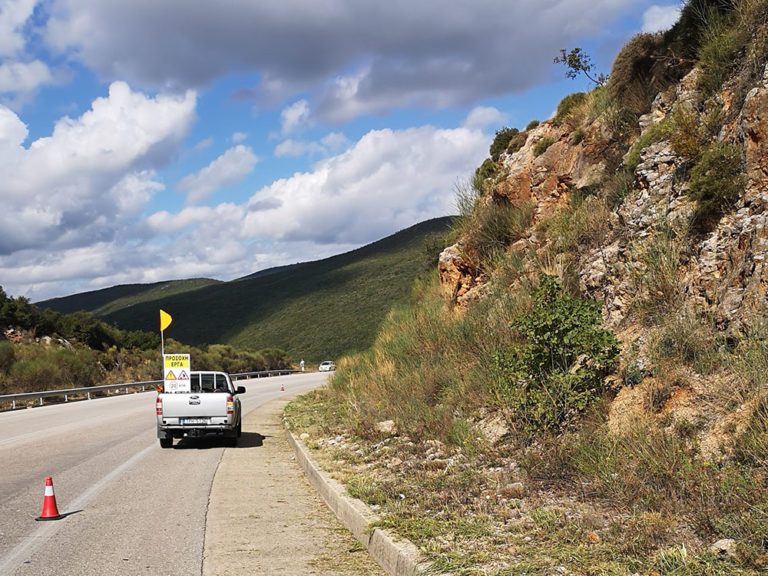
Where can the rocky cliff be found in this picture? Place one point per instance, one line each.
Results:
(678, 233)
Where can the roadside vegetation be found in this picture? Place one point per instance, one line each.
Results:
(489, 434)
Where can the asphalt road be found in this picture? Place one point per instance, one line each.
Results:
(130, 507)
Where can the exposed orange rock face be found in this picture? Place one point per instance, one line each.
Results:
(545, 179)
(457, 276)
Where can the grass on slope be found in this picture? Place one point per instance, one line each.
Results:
(315, 310)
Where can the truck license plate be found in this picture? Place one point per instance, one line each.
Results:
(194, 420)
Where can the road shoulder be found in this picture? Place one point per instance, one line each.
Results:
(264, 517)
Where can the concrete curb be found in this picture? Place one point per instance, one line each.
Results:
(398, 558)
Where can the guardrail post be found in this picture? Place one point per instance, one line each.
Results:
(41, 400)
(89, 395)
(66, 398)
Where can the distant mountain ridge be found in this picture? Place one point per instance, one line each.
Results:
(314, 310)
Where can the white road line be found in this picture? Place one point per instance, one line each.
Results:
(30, 544)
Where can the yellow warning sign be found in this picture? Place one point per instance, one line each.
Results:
(176, 369)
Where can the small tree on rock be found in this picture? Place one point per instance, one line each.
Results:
(578, 62)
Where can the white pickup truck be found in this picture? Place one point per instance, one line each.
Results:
(212, 407)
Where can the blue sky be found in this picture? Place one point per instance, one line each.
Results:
(146, 140)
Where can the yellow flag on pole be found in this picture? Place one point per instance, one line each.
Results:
(165, 320)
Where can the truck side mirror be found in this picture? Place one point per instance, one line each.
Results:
(240, 390)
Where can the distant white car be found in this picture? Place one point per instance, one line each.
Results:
(326, 366)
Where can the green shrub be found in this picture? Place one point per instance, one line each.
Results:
(577, 136)
(517, 142)
(488, 169)
(654, 133)
(501, 140)
(566, 107)
(49, 369)
(560, 369)
(685, 133)
(717, 182)
(542, 146)
(532, 124)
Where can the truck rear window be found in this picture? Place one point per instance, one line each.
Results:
(208, 383)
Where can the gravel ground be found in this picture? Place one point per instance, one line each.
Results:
(265, 518)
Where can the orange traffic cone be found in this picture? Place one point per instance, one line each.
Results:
(282, 388)
(50, 512)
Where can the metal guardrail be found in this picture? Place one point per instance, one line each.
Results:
(67, 392)
(152, 384)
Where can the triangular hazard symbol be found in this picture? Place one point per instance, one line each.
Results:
(183, 375)
(170, 375)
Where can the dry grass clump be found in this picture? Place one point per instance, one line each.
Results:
(639, 73)
(488, 225)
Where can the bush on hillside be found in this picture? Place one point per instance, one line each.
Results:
(722, 40)
(717, 182)
(488, 169)
(7, 356)
(566, 107)
(517, 142)
(560, 371)
(53, 369)
(635, 76)
(683, 40)
(500, 142)
(542, 146)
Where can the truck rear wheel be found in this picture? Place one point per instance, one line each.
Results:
(166, 442)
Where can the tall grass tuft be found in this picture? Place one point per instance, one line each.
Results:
(658, 282)
(488, 225)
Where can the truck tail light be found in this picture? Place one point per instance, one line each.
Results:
(230, 405)
(159, 406)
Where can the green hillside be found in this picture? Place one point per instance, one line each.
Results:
(314, 310)
(107, 300)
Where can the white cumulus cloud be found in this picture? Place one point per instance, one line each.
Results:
(61, 190)
(223, 172)
(295, 117)
(660, 18)
(387, 181)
